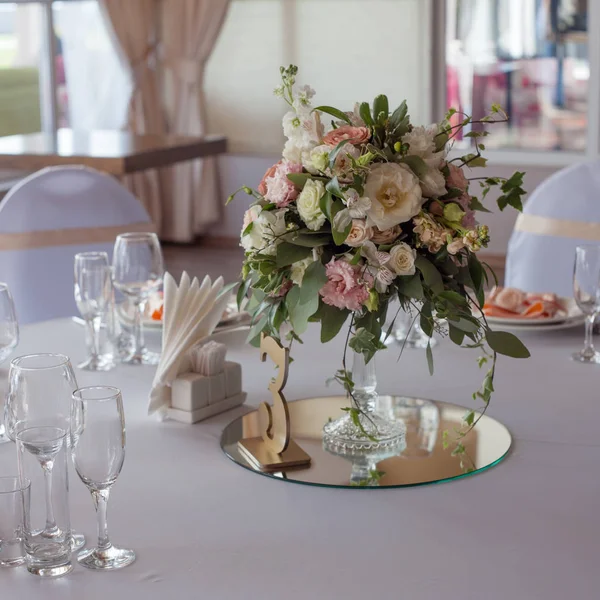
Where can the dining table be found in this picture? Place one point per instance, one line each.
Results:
(203, 527)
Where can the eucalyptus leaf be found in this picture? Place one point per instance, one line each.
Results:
(288, 254)
(411, 286)
(456, 335)
(339, 237)
(429, 355)
(310, 240)
(333, 186)
(431, 275)
(332, 320)
(333, 154)
(464, 325)
(256, 329)
(506, 343)
(334, 112)
(325, 204)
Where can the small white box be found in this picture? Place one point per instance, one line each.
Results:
(233, 379)
(186, 416)
(190, 391)
(216, 387)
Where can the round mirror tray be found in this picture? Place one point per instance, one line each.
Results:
(424, 459)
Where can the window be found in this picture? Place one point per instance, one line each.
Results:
(72, 78)
(387, 51)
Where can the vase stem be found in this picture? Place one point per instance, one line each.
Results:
(364, 377)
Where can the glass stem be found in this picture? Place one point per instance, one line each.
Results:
(47, 467)
(365, 382)
(100, 498)
(93, 325)
(589, 327)
(138, 332)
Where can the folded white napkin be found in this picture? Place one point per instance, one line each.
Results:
(191, 312)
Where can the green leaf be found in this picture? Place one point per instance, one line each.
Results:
(453, 212)
(398, 115)
(416, 164)
(310, 240)
(333, 187)
(248, 228)
(334, 112)
(470, 418)
(314, 279)
(431, 275)
(365, 114)
(256, 329)
(288, 254)
(465, 325)
(339, 237)
(325, 204)
(426, 320)
(243, 291)
(411, 286)
(333, 154)
(456, 335)
(429, 355)
(381, 105)
(299, 179)
(365, 342)
(506, 343)
(476, 205)
(477, 276)
(332, 320)
(453, 297)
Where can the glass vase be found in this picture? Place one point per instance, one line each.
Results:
(374, 432)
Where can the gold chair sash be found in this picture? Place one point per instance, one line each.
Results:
(579, 230)
(68, 237)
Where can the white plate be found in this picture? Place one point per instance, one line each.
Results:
(576, 321)
(573, 312)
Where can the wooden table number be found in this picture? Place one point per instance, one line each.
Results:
(274, 450)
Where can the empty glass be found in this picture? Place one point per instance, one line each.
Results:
(138, 271)
(93, 295)
(586, 287)
(40, 388)
(98, 454)
(9, 334)
(46, 523)
(13, 496)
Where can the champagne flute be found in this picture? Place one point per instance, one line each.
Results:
(99, 453)
(40, 387)
(93, 290)
(138, 271)
(9, 335)
(586, 286)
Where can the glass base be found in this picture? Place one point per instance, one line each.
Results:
(416, 338)
(111, 558)
(145, 357)
(104, 362)
(77, 540)
(343, 436)
(586, 357)
(47, 571)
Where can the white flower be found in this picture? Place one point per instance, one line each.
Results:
(433, 184)
(317, 160)
(292, 125)
(421, 142)
(343, 164)
(357, 205)
(308, 204)
(395, 195)
(303, 127)
(402, 259)
(299, 268)
(293, 152)
(455, 246)
(377, 266)
(359, 233)
(302, 97)
(267, 227)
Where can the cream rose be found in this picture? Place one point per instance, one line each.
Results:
(308, 204)
(359, 233)
(387, 236)
(402, 259)
(433, 184)
(317, 159)
(395, 195)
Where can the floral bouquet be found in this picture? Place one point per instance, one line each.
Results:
(365, 208)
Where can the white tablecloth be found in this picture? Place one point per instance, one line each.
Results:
(205, 528)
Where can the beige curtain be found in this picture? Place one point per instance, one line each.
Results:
(190, 29)
(134, 23)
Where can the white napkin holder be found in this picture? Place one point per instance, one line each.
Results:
(214, 386)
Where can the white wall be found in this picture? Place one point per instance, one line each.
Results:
(237, 170)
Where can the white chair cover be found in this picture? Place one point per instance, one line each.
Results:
(562, 212)
(45, 220)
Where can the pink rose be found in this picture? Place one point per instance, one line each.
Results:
(278, 188)
(359, 233)
(387, 236)
(262, 186)
(354, 135)
(344, 288)
(456, 178)
(510, 299)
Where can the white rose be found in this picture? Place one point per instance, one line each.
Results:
(433, 184)
(402, 259)
(421, 141)
(317, 159)
(267, 227)
(299, 268)
(395, 195)
(308, 204)
(293, 152)
(359, 233)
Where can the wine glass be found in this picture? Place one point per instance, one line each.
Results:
(9, 334)
(40, 387)
(93, 290)
(138, 271)
(98, 454)
(586, 286)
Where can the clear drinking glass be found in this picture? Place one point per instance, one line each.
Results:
(13, 496)
(9, 335)
(586, 287)
(99, 453)
(138, 272)
(46, 524)
(93, 293)
(40, 388)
